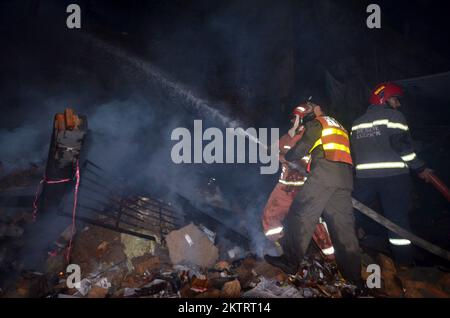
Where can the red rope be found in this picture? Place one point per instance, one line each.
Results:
(39, 192)
(75, 199)
(36, 198)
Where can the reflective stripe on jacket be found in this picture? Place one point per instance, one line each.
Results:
(334, 140)
(289, 177)
(381, 144)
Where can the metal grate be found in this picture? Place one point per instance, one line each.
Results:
(103, 201)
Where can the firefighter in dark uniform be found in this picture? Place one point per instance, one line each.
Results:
(383, 155)
(326, 193)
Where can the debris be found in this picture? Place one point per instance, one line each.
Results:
(32, 285)
(84, 286)
(190, 245)
(416, 289)
(197, 271)
(129, 292)
(246, 277)
(10, 230)
(187, 271)
(55, 263)
(308, 293)
(103, 283)
(145, 263)
(65, 237)
(236, 253)
(102, 249)
(20, 178)
(444, 282)
(270, 272)
(187, 292)
(211, 235)
(24, 216)
(66, 296)
(326, 290)
(135, 247)
(211, 293)
(194, 214)
(97, 292)
(222, 266)
(199, 285)
(268, 288)
(86, 256)
(181, 268)
(150, 289)
(155, 287)
(391, 283)
(387, 264)
(231, 289)
(219, 280)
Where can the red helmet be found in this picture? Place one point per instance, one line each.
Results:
(302, 110)
(384, 91)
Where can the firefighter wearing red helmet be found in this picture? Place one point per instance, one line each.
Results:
(384, 92)
(289, 183)
(383, 155)
(326, 193)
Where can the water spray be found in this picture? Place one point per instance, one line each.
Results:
(171, 86)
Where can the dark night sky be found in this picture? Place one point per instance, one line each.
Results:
(249, 58)
(228, 50)
(424, 21)
(252, 60)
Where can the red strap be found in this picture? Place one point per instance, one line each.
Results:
(36, 198)
(75, 200)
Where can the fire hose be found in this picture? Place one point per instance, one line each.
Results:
(439, 185)
(436, 250)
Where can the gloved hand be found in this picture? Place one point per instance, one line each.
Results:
(425, 175)
(299, 166)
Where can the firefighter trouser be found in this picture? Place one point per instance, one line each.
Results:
(335, 206)
(395, 197)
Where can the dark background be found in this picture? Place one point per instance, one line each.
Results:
(139, 68)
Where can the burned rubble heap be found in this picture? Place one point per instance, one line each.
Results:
(140, 247)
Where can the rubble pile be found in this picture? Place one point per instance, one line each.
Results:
(108, 269)
(417, 282)
(16, 197)
(191, 245)
(186, 262)
(188, 266)
(169, 272)
(16, 190)
(20, 178)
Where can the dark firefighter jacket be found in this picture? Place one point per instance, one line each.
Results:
(323, 171)
(381, 144)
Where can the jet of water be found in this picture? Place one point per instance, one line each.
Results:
(198, 104)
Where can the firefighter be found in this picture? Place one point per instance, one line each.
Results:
(383, 155)
(326, 193)
(287, 187)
